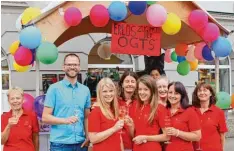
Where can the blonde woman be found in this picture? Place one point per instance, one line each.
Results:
(19, 127)
(104, 126)
(148, 117)
(162, 85)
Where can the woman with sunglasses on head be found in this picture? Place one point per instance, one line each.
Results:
(103, 122)
(148, 117)
(184, 124)
(213, 125)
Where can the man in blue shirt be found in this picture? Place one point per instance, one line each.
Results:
(66, 108)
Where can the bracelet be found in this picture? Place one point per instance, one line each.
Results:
(178, 132)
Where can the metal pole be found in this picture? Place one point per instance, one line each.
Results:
(217, 74)
(37, 67)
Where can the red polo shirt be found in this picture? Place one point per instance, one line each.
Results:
(143, 127)
(99, 123)
(212, 124)
(127, 139)
(184, 120)
(20, 138)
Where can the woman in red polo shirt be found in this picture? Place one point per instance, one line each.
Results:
(162, 86)
(184, 125)
(213, 125)
(127, 94)
(19, 127)
(148, 117)
(104, 125)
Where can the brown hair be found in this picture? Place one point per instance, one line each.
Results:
(71, 55)
(151, 84)
(195, 99)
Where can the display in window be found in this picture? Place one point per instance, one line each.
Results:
(5, 81)
(47, 80)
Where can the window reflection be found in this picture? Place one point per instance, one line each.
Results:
(5, 81)
(5, 66)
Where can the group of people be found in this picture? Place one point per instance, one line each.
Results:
(140, 114)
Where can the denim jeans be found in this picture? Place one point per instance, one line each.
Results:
(67, 147)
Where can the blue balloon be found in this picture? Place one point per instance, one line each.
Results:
(118, 11)
(39, 105)
(181, 58)
(30, 37)
(221, 47)
(206, 53)
(137, 7)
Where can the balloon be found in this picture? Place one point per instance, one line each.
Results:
(20, 68)
(223, 100)
(14, 46)
(30, 14)
(39, 105)
(172, 25)
(151, 2)
(30, 37)
(222, 47)
(104, 51)
(137, 7)
(72, 16)
(190, 54)
(198, 19)
(28, 102)
(181, 58)
(181, 49)
(99, 15)
(183, 68)
(167, 57)
(23, 56)
(193, 65)
(47, 53)
(174, 56)
(156, 15)
(232, 102)
(210, 33)
(206, 53)
(118, 11)
(198, 51)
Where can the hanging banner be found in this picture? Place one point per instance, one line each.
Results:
(135, 39)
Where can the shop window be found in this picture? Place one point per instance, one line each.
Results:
(5, 66)
(5, 81)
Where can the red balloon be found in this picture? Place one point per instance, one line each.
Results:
(23, 56)
(181, 49)
(99, 16)
(28, 102)
(210, 32)
(198, 19)
(72, 16)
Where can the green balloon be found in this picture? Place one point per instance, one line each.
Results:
(174, 56)
(47, 53)
(183, 68)
(223, 100)
(151, 2)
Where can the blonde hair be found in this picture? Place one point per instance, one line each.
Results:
(149, 82)
(15, 89)
(102, 104)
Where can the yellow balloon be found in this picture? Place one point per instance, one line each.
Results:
(29, 14)
(20, 68)
(172, 25)
(193, 65)
(14, 46)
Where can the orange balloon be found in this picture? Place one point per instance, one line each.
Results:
(232, 101)
(181, 49)
(193, 65)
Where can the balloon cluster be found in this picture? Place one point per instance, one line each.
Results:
(30, 44)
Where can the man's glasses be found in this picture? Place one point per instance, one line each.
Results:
(72, 65)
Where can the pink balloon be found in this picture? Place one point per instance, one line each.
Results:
(156, 15)
(198, 51)
(23, 56)
(210, 32)
(167, 57)
(99, 16)
(198, 19)
(72, 16)
(28, 102)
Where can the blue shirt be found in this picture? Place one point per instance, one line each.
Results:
(66, 99)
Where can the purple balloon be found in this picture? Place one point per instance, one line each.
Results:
(39, 105)
(206, 53)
